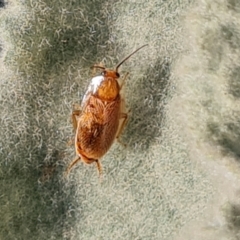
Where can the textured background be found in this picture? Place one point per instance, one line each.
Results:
(178, 178)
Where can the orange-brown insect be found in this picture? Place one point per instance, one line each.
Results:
(101, 118)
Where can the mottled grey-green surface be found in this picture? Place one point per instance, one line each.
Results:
(178, 176)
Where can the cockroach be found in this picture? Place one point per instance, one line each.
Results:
(101, 117)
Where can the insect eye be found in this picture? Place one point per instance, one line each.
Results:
(117, 74)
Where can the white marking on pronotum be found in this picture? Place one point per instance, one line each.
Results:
(96, 81)
(93, 86)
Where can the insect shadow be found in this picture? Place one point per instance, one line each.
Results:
(147, 106)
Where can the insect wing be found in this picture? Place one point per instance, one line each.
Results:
(97, 126)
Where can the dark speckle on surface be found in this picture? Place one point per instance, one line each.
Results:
(2, 3)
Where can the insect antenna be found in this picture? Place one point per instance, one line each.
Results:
(126, 58)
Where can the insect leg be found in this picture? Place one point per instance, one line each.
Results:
(75, 113)
(99, 167)
(123, 124)
(77, 159)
